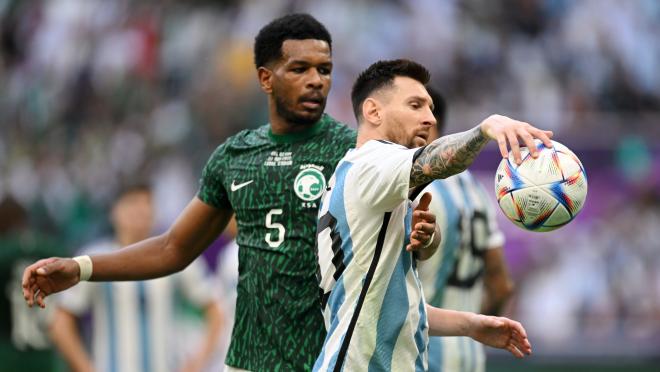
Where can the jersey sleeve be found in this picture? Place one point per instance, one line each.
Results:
(211, 190)
(195, 284)
(383, 177)
(495, 237)
(76, 300)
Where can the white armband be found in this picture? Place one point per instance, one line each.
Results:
(85, 264)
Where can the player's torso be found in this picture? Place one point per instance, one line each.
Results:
(371, 290)
(452, 278)
(274, 190)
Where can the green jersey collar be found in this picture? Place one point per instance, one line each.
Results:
(298, 136)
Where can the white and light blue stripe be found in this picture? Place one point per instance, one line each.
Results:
(454, 201)
(375, 313)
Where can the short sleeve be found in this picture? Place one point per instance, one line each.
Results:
(495, 238)
(77, 300)
(211, 190)
(383, 176)
(195, 283)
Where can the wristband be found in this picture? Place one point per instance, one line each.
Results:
(85, 265)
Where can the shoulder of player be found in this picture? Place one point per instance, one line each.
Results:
(465, 177)
(338, 131)
(378, 146)
(440, 184)
(248, 137)
(374, 154)
(470, 180)
(465, 181)
(98, 247)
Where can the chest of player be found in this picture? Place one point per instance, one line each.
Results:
(289, 178)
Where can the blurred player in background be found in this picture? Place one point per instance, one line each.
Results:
(24, 344)
(468, 273)
(134, 323)
(374, 309)
(271, 178)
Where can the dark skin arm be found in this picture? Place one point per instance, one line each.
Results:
(194, 230)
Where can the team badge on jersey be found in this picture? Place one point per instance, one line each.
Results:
(309, 183)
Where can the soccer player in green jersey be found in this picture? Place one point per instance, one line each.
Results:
(271, 178)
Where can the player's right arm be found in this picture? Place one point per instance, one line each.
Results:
(195, 229)
(63, 331)
(452, 154)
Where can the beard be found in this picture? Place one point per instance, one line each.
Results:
(294, 118)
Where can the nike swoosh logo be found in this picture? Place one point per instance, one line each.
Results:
(235, 187)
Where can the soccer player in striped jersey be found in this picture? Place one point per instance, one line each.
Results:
(374, 309)
(134, 322)
(468, 272)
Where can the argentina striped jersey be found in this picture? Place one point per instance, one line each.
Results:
(371, 296)
(452, 278)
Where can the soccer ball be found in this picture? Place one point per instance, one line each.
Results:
(541, 194)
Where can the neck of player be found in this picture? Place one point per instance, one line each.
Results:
(280, 125)
(367, 133)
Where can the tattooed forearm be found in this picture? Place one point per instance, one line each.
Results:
(447, 156)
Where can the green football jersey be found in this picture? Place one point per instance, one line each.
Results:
(24, 341)
(274, 184)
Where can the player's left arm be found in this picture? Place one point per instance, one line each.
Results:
(452, 154)
(498, 332)
(498, 285)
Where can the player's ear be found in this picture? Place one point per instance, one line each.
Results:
(371, 111)
(265, 76)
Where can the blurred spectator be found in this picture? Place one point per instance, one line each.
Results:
(24, 344)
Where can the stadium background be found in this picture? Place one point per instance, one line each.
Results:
(97, 92)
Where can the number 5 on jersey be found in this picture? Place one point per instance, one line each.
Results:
(272, 242)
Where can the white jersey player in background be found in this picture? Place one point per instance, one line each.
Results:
(134, 325)
(468, 272)
(372, 300)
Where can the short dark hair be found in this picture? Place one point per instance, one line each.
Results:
(380, 75)
(299, 26)
(130, 187)
(439, 107)
(13, 215)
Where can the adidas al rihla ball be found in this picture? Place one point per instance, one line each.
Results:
(541, 194)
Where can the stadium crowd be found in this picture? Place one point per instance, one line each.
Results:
(97, 92)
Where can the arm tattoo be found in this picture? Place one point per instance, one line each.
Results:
(447, 156)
